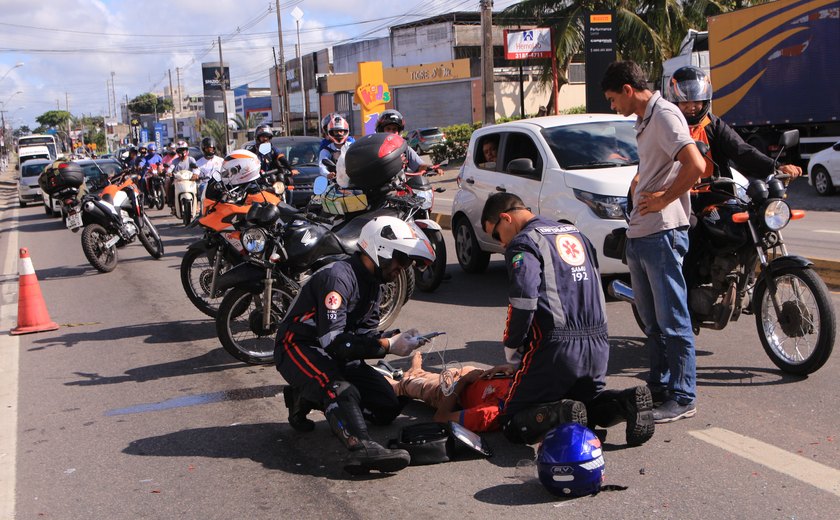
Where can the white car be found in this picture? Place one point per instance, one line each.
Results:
(824, 170)
(571, 168)
(28, 189)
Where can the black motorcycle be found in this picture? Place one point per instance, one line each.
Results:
(285, 246)
(156, 198)
(738, 264)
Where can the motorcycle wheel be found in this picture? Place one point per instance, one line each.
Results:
(410, 284)
(197, 275)
(159, 197)
(393, 297)
(103, 259)
(800, 340)
(239, 324)
(429, 278)
(150, 238)
(186, 211)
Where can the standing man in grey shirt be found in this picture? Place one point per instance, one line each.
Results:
(669, 165)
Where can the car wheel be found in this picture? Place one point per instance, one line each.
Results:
(470, 256)
(822, 181)
(22, 204)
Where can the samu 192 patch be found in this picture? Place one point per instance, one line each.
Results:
(517, 260)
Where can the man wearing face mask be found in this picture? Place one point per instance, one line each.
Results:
(273, 159)
(208, 164)
(182, 162)
(331, 328)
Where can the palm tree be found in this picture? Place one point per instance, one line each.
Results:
(252, 121)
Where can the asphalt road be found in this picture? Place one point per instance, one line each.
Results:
(132, 410)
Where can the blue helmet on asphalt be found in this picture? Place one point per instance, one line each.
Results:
(570, 462)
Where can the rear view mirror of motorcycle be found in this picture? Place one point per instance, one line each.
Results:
(216, 176)
(319, 187)
(329, 164)
(264, 148)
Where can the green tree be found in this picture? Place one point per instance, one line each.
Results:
(252, 121)
(22, 130)
(149, 103)
(54, 118)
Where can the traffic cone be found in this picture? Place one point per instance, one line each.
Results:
(32, 311)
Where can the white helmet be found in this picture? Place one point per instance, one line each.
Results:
(385, 238)
(240, 167)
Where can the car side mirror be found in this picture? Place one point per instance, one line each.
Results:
(837, 147)
(522, 166)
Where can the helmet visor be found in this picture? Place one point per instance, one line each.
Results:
(694, 89)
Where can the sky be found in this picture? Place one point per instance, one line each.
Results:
(69, 48)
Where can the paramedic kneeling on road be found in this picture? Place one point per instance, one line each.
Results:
(556, 330)
(331, 328)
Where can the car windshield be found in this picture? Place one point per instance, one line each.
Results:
(95, 170)
(605, 144)
(301, 153)
(430, 131)
(32, 170)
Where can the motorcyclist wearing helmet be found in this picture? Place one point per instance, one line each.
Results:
(150, 163)
(182, 161)
(240, 170)
(332, 327)
(691, 90)
(391, 122)
(274, 159)
(556, 331)
(336, 132)
(168, 155)
(130, 158)
(208, 164)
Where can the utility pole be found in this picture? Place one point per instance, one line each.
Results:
(180, 95)
(67, 108)
(108, 93)
(282, 85)
(487, 62)
(114, 95)
(224, 94)
(174, 122)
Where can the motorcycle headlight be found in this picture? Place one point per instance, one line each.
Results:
(254, 240)
(427, 197)
(604, 206)
(279, 187)
(776, 215)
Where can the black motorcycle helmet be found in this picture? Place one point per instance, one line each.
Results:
(208, 142)
(691, 84)
(390, 117)
(262, 130)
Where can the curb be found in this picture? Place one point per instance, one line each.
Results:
(829, 270)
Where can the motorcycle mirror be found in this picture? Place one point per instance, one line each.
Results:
(789, 139)
(264, 148)
(319, 187)
(216, 176)
(329, 164)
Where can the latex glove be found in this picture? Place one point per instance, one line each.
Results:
(405, 343)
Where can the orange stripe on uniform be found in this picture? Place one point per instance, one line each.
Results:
(526, 363)
(292, 349)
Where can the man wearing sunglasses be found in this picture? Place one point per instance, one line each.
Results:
(556, 332)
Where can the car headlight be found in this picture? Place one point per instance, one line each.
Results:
(776, 214)
(604, 206)
(254, 240)
(427, 197)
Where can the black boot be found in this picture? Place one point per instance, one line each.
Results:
(297, 410)
(529, 426)
(633, 405)
(369, 455)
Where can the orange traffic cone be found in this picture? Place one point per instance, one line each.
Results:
(32, 311)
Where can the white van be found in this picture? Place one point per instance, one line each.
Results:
(33, 152)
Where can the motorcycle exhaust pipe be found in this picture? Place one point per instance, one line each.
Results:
(621, 291)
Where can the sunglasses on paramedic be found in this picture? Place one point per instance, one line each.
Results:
(495, 233)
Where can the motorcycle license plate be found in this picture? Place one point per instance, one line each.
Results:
(74, 219)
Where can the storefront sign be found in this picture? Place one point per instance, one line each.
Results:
(527, 43)
(600, 52)
(371, 93)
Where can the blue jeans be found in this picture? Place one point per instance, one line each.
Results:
(659, 289)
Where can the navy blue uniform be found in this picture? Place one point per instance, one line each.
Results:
(557, 324)
(330, 328)
(273, 160)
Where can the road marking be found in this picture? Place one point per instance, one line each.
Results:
(9, 349)
(777, 459)
(827, 231)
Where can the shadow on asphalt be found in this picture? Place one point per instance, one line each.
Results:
(214, 361)
(152, 333)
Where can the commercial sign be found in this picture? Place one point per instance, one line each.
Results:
(523, 44)
(600, 52)
(213, 75)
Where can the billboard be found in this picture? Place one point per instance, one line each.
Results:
(523, 44)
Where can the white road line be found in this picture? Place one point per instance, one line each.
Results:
(827, 231)
(777, 459)
(9, 347)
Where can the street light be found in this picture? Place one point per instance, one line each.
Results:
(10, 97)
(18, 64)
(297, 14)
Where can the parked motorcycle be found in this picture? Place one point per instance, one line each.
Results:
(428, 278)
(221, 247)
(285, 247)
(109, 220)
(738, 264)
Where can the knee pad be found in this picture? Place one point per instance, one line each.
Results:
(343, 391)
